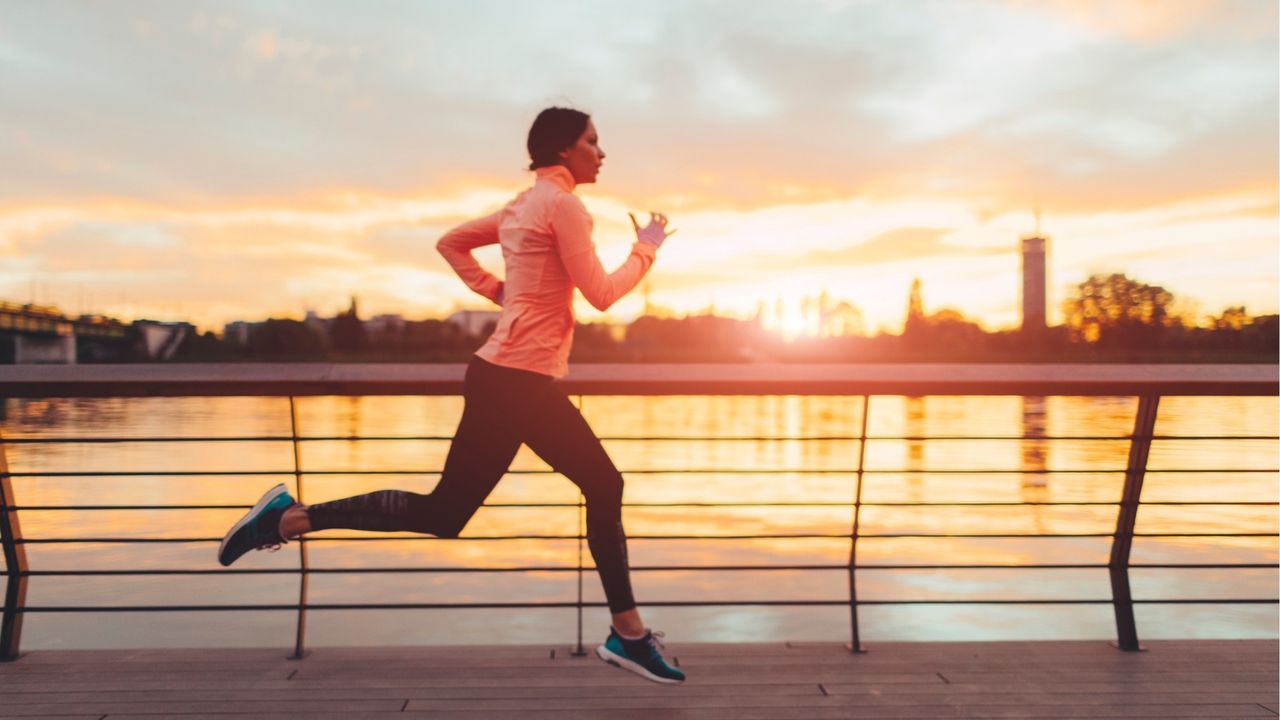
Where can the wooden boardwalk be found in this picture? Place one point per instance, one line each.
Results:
(1174, 679)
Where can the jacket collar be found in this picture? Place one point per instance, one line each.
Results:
(557, 174)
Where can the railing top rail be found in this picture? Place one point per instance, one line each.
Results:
(283, 379)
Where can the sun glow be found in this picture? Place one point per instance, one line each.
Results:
(794, 324)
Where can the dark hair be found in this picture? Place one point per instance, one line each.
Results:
(554, 129)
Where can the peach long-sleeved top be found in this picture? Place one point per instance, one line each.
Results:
(545, 233)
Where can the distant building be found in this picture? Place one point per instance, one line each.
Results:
(161, 340)
(320, 325)
(844, 320)
(1033, 282)
(474, 322)
(384, 325)
(915, 307)
(237, 332)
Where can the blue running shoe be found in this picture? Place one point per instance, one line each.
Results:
(259, 528)
(642, 657)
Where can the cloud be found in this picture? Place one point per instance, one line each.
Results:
(698, 106)
(284, 155)
(217, 266)
(220, 266)
(907, 243)
(899, 245)
(1155, 21)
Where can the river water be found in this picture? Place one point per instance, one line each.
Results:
(807, 470)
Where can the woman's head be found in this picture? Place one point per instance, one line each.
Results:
(561, 136)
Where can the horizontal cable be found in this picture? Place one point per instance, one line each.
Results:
(842, 504)
(658, 603)
(622, 438)
(1204, 566)
(664, 471)
(784, 536)
(643, 568)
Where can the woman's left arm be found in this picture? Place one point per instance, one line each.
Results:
(456, 247)
(572, 225)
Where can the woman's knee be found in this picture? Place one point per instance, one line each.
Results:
(605, 489)
(443, 515)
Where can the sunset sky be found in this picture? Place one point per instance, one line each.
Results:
(215, 161)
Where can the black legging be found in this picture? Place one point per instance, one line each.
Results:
(503, 408)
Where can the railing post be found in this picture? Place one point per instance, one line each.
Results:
(15, 560)
(579, 650)
(1139, 450)
(855, 645)
(300, 641)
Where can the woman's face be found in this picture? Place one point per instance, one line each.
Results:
(584, 157)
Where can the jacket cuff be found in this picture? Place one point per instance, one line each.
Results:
(645, 249)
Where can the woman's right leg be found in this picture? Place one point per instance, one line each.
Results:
(558, 433)
(481, 451)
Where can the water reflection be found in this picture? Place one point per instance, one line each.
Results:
(897, 472)
(915, 428)
(1035, 456)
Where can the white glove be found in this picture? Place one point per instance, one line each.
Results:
(655, 233)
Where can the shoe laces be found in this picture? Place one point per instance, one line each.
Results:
(273, 545)
(276, 539)
(655, 640)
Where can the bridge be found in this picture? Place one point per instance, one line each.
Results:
(42, 334)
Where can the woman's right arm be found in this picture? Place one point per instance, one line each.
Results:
(456, 247)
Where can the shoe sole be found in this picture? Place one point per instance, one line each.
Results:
(615, 660)
(271, 494)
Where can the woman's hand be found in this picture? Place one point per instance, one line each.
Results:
(655, 233)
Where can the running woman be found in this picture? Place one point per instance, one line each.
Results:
(509, 394)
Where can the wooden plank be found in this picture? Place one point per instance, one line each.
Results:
(996, 696)
(1200, 713)
(887, 695)
(671, 702)
(923, 713)
(1024, 697)
(962, 678)
(8, 716)
(1014, 651)
(1014, 684)
(735, 714)
(247, 708)
(960, 670)
(267, 655)
(764, 674)
(9, 700)
(614, 678)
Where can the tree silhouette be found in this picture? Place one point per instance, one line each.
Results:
(1232, 318)
(1118, 309)
(285, 339)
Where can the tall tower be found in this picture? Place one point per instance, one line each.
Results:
(1033, 280)
(915, 305)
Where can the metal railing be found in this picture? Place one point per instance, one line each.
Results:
(1148, 383)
